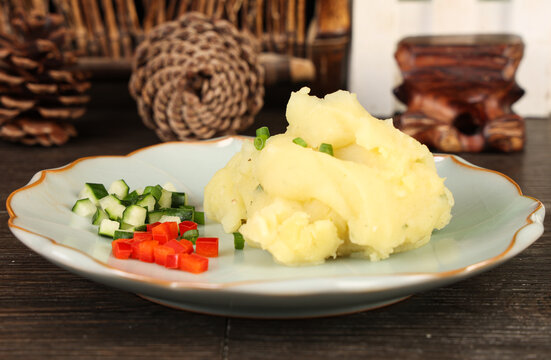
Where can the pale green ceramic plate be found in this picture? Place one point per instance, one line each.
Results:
(492, 222)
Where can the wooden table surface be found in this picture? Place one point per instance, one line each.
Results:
(47, 312)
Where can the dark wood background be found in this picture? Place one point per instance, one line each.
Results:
(47, 312)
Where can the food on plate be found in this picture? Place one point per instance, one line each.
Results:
(337, 182)
(154, 224)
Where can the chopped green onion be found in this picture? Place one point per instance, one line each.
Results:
(263, 132)
(259, 188)
(259, 142)
(326, 148)
(238, 241)
(191, 235)
(300, 141)
(199, 217)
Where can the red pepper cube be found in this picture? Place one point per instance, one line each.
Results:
(161, 238)
(181, 247)
(172, 261)
(145, 250)
(135, 249)
(188, 246)
(142, 235)
(193, 263)
(187, 225)
(150, 227)
(160, 252)
(170, 229)
(121, 249)
(207, 246)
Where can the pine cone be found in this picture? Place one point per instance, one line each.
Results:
(38, 94)
(196, 78)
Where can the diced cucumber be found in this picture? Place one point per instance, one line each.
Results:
(108, 227)
(141, 228)
(123, 234)
(182, 213)
(99, 216)
(199, 217)
(191, 235)
(112, 206)
(134, 215)
(127, 227)
(148, 201)
(169, 186)
(154, 216)
(131, 198)
(84, 207)
(93, 191)
(165, 201)
(153, 190)
(178, 199)
(167, 218)
(119, 188)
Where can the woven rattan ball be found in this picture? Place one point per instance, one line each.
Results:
(197, 78)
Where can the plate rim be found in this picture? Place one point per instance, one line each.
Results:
(194, 285)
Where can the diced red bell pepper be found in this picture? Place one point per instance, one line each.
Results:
(172, 261)
(149, 227)
(142, 235)
(162, 238)
(170, 229)
(186, 225)
(121, 249)
(207, 246)
(145, 250)
(193, 263)
(135, 250)
(182, 246)
(160, 252)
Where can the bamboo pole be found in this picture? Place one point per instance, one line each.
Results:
(210, 8)
(112, 28)
(80, 30)
(133, 20)
(219, 12)
(126, 24)
(184, 4)
(92, 45)
(171, 10)
(98, 26)
(291, 26)
(161, 13)
(301, 25)
(259, 18)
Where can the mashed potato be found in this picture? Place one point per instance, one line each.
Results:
(379, 194)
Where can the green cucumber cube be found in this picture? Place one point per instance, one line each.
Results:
(99, 216)
(94, 192)
(84, 207)
(134, 215)
(112, 206)
(119, 188)
(108, 227)
(178, 199)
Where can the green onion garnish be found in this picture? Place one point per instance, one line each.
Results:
(300, 141)
(259, 142)
(199, 217)
(263, 132)
(191, 235)
(238, 241)
(326, 148)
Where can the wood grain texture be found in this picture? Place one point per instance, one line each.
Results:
(47, 312)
